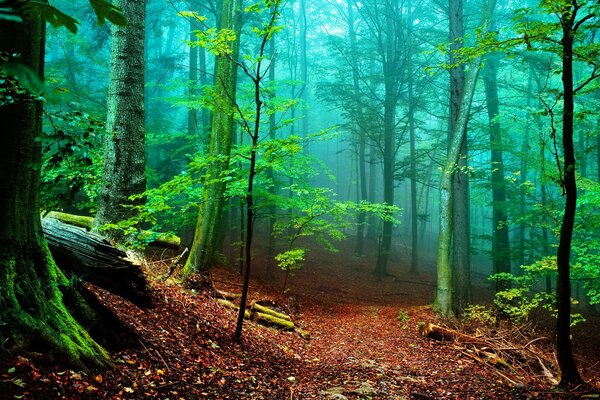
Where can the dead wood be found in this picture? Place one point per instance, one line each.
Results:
(90, 257)
(156, 239)
(512, 362)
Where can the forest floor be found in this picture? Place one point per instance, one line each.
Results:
(364, 344)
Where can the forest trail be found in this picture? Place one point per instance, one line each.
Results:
(364, 345)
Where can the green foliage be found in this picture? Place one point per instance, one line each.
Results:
(522, 298)
(27, 81)
(291, 260)
(51, 14)
(403, 316)
(479, 314)
(72, 160)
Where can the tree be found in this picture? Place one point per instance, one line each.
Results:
(444, 301)
(124, 172)
(500, 239)
(39, 306)
(203, 248)
(567, 12)
(256, 74)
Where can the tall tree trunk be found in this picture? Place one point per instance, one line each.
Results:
(206, 237)
(192, 117)
(270, 173)
(500, 239)
(444, 301)
(124, 172)
(303, 67)
(564, 352)
(390, 70)
(460, 208)
(362, 137)
(33, 291)
(414, 211)
(524, 169)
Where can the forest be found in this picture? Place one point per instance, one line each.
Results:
(300, 199)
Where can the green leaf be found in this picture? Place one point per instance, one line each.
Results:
(106, 11)
(26, 77)
(52, 15)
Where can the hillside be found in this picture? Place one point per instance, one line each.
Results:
(364, 344)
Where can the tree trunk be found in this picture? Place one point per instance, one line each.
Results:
(414, 211)
(461, 264)
(90, 257)
(444, 301)
(362, 137)
(33, 291)
(564, 352)
(192, 117)
(203, 249)
(124, 172)
(500, 239)
(389, 59)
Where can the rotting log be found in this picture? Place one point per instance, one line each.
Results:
(273, 321)
(167, 240)
(90, 257)
(438, 332)
(231, 305)
(256, 307)
(227, 295)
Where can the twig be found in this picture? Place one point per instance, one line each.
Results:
(163, 360)
(175, 264)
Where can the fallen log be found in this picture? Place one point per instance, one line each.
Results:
(90, 257)
(438, 332)
(273, 321)
(156, 239)
(231, 305)
(266, 310)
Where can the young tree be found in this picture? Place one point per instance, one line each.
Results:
(570, 21)
(124, 172)
(33, 291)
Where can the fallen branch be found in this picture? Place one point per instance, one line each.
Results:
(174, 264)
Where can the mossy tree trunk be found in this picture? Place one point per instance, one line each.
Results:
(33, 291)
(203, 249)
(124, 172)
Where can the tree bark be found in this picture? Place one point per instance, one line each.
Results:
(204, 246)
(33, 291)
(564, 353)
(444, 301)
(461, 263)
(389, 58)
(362, 139)
(500, 239)
(124, 172)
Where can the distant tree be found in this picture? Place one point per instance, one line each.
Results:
(34, 293)
(124, 172)
(500, 238)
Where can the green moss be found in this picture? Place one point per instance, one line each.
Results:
(266, 310)
(271, 320)
(75, 220)
(36, 315)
